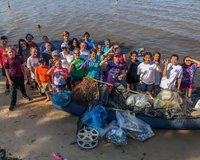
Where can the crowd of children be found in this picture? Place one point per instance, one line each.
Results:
(48, 68)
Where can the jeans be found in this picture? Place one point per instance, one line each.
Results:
(18, 83)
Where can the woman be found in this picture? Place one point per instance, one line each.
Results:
(75, 67)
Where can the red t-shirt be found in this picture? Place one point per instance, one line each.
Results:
(14, 66)
(3, 56)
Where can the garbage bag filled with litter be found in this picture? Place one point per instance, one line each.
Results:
(117, 136)
(168, 99)
(139, 100)
(134, 127)
(61, 99)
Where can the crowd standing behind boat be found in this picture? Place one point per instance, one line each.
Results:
(46, 69)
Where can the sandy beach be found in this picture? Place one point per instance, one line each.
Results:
(34, 130)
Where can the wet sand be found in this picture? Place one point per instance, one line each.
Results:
(35, 129)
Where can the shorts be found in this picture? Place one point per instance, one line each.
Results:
(60, 86)
(3, 72)
(46, 87)
(184, 86)
(146, 87)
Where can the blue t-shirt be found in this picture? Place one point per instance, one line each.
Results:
(105, 49)
(89, 45)
(42, 47)
(93, 68)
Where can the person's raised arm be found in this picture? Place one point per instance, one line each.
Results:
(50, 71)
(165, 68)
(194, 61)
(107, 53)
(104, 61)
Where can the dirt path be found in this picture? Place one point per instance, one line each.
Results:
(34, 130)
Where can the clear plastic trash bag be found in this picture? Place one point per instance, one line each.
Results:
(141, 101)
(117, 136)
(168, 99)
(134, 127)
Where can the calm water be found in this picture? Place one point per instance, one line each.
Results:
(165, 25)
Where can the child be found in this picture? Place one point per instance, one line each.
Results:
(32, 63)
(189, 68)
(14, 73)
(172, 73)
(156, 59)
(75, 67)
(116, 70)
(107, 45)
(55, 57)
(59, 75)
(147, 71)
(131, 71)
(84, 53)
(92, 65)
(43, 80)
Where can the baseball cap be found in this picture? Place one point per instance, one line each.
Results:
(64, 45)
(117, 55)
(55, 53)
(107, 40)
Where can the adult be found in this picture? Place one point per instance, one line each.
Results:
(42, 46)
(75, 67)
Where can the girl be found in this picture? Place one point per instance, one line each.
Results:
(32, 63)
(66, 59)
(92, 65)
(189, 68)
(24, 51)
(147, 71)
(158, 75)
(29, 37)
(59, 75)
(75, 44)
(84, 53)
(131, 71)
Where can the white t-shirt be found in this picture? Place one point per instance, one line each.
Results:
(147, 72)
(85, 54)
(32, 62)
(173, 73)
(66, 59)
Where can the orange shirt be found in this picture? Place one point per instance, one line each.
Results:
(41, 74)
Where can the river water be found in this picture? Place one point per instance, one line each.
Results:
(168, 26)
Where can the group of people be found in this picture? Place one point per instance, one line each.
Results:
(48, 68)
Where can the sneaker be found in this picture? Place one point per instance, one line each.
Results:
(11, 107)
(27, 97)
(7, 91)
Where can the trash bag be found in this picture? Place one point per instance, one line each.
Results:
(134, 127)
(117, 136)
(103, 94)
(168, 99)
(119, 94)
(61, 99)
(110, 126)
(139, 100)
(96, 118)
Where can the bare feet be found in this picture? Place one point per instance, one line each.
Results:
(47, 100)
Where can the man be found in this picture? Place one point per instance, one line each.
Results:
(3, 56)
(172, 74)
(13, 69)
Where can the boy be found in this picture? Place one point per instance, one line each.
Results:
(13, 68)
(43, 80)
(172, 73)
